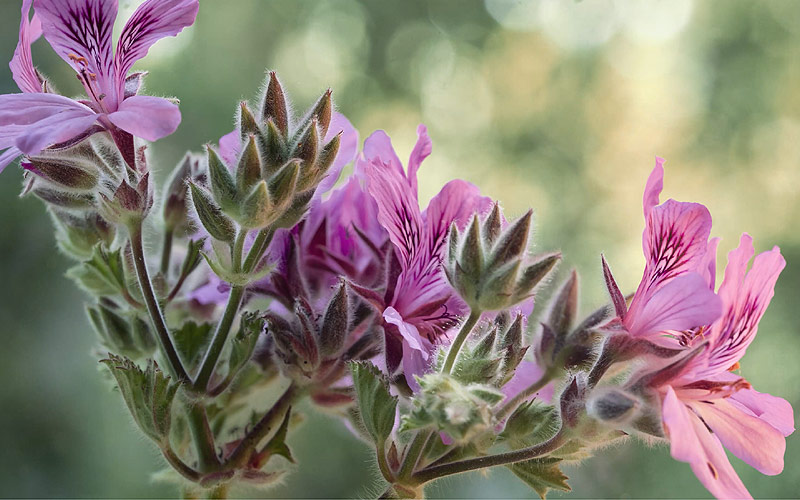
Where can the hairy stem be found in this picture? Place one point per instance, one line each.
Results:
(166, 251)
(153, 308)
(218, 341)
(269, 422)
(435, 472)
(383, 464)
(414, 452)
(179, 465)
(466, 328)
(508, 408)
(260, 244)
(203, 437)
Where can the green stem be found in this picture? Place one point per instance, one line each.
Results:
(260, 244)
(153, 307)
(238, 249)
(383, 464)
(435, 472)
(218, 341)
(203, 437)
(270, 421)
(166, 251)
(514, 402)
(414, 452)
(179, 465)
(466, 328)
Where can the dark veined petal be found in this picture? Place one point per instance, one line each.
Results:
(152, 21)
(30, 29)
(80, 32)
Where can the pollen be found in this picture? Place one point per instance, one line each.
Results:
(79, 59)
(713, 470)
(734, 367)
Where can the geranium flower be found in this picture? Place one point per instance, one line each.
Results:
(80, 32)
(419, 305)
(706, 407)
(674, 293)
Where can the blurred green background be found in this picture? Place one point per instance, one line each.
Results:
(559, 106)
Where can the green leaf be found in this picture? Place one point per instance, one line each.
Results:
(148, 393)
(376, 405)
(277, 445)
(191, 341)
(244, 342)
(102, 274)
(541, 474)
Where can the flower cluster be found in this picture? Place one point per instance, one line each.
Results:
(411, 324)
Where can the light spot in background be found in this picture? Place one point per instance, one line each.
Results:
(520, 15)
(413, 50)
(579, 25)
(656, 20)
(457, 100)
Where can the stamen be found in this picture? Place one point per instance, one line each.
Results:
(734, 367)
(79, 59)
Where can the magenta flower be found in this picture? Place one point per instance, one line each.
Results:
(706, 407)
(80, 32)
(419, 304)
(674, 293)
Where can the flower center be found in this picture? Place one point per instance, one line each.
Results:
(89, 80)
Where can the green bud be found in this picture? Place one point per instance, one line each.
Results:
(513, 243)
(308, 146)
(282, 184)
(64, 199)
(257, 210)
(223, 187)
(564, 306)
(321, 111)
(247, 122)
(274, 107)
(613, 406)
(66, 172)
(313, 176)
(274, 149)
(176, 192)
(493, 225)
(510, 346)
(533, 274)
(248, 170)
(218, 225)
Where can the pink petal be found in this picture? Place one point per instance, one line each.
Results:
(83, 28)
(745, 299)
(682, 304)
(708, 267)
(457, 202)
(753, 440)
(230, 145)
(773, 410)
(422, 149)
(379, 151)
(409, 332)
(527, 374)
(7, 156)
(148, 117)
(21, 63)
(26, 109)
(691, 442)
(655, 183)
(348, 147)
(398, 208)
(53, 130)
(152, 21)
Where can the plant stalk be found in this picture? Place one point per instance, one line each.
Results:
(466, 328)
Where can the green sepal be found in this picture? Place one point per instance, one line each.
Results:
(147, 393)
(274, 149)
(333, 331)
(102, 274)
(257, 210)
(274, 107)
(218, 225)
(376, 405)
(248, 169)
(236, 279)
(541, 474)
(244, 342)
(282, 184)
(223, 186)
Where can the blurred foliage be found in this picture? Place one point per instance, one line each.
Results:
(560, 106)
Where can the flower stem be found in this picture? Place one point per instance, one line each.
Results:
(466, 328)
(166, 251)
(435, 472)
(414, 452)
(203, 437)
(218, 341)
(153, 307)
(270, 421)
(260, 244)
(383, 464)
(514, 402)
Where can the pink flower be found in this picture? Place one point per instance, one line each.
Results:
(674, 293)
(80, 32)
(419, 305)
(706, 407)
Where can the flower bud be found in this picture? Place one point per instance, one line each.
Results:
(257, 210)
(217, 224)
(274, 107)
(176, 192)
(489, 267)
(129, 204)
(282, 185)
(613, 406)
(64, 171)
(248, 169)
(78, 234)
(334, 324)
(223, 187)
(274, 149)
(462, 411)
(247, 122)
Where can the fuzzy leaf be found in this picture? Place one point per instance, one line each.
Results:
(191, 341)
(376, 405)
(541, 474)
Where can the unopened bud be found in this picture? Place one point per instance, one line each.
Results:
(247, 122)
(612, 406)
(282, 184)
(223, 187)
(64, 171)
(218, 225)
(333, 332)
(257, 210)
(248, 170)
(274, 107)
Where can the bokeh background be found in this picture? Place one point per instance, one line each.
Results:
(559, 106)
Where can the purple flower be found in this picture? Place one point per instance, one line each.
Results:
(673, 294)
(80, 32)
(419, 305)
(706, 407)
